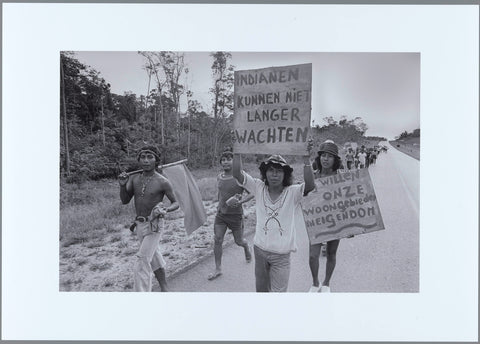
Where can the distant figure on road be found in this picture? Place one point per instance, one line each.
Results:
(349, 158)
(362, 157)
(148, 188)
(367, 160)
(328, 163)
(229, 212)
(276, 201)
(373, 156)
(356, 160)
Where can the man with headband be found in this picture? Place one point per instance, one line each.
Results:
(148, 188)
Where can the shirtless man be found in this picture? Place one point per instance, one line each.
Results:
(148, 188)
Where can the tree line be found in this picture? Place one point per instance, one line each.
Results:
(405, 134)
(101, 131)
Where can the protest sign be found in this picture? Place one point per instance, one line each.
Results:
(272, 110)
(342, 205)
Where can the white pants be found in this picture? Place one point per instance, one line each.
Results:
(149, 257)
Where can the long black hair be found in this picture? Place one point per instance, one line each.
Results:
(318, 166)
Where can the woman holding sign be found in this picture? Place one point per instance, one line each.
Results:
(327, 163)
(276, 200)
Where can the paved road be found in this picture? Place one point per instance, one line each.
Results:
(383, 261)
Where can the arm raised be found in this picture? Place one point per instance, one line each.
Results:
(237, 168)
(307, 170)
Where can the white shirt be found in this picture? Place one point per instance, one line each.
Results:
(362, 157)
(275, 228)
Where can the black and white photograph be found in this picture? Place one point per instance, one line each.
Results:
(149, 140)
(240, 172)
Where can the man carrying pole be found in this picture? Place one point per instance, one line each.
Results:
(148, 187)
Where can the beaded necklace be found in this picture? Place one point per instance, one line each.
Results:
(145, 183)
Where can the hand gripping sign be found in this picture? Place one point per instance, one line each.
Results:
(342, 205)
(272, 110)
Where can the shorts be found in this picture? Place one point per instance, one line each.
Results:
(232, 221)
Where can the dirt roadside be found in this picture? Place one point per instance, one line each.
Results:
(410, 148)
(108, 266)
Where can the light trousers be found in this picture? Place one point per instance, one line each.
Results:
(149, 257)
(272, 270)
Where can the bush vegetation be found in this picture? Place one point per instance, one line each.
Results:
(101, 131)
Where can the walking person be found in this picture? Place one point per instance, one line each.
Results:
(349, 158)
(148, 188)
(373, 156)
(362, 157)
(368, 158)
(276, 200)
(356, 159)
(327, 163)
(229, 213)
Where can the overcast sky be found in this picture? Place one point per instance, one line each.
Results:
(382, 88)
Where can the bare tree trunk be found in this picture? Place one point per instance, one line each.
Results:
(103, 123)
(65, 122)
(215, 148)
(154, 69)
(214, 158)
(162, 130)
(161, 110)
(177, 111)
(179, 69)
(189, 137)
(215, 140)
(188, 114)
(215, 103)
(148, 89)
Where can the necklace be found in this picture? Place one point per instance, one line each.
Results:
(145, 183)
(272, 212)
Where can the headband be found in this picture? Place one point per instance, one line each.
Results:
(157, 157)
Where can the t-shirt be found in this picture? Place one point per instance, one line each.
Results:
(227, 187)
(349, 156)
(275, 228)
(362, 157)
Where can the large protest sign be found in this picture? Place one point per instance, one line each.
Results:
(342, 205)
(272, 109)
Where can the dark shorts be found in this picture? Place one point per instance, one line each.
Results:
(232, 221)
